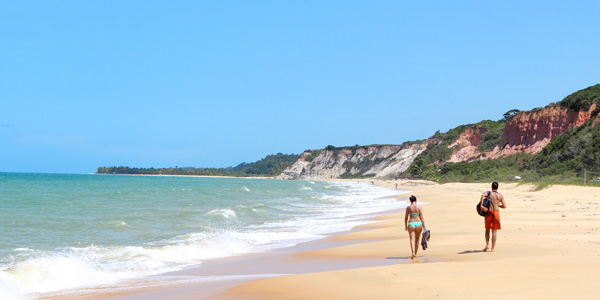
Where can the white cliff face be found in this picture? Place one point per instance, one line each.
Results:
(296, 170)
(398, 162)
(380, 161)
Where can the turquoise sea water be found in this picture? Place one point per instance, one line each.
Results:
(62, 231)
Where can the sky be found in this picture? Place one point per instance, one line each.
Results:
(85, 84)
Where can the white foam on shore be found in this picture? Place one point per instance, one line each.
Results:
(74, 267)
(88, 266)
(9, 290)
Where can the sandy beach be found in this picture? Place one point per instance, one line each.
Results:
(549, 246)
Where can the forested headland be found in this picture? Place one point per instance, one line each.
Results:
(271, 165)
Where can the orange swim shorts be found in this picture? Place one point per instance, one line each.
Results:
(492, 221)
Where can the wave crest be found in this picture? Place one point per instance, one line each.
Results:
(227, 213)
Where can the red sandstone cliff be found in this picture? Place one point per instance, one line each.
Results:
(527, 132)
(465, 146)
(531, 131)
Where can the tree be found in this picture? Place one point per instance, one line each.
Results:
(509, 114)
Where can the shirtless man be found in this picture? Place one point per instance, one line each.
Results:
(492, 221)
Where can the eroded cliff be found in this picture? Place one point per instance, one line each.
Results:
(525, 132)
(465, 146)
(376, 161)
(531, 131)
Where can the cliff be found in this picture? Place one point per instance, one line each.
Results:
(527, 132)
(465, 146)
(531, 131)
(523, 132)
(377, 161)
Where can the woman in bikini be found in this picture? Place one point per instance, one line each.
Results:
(414, 224)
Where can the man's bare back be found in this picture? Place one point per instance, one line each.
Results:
(497, 200)
(492, 221)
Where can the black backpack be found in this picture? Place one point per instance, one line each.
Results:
(487, 202)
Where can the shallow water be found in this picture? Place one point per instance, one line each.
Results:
(63, 231)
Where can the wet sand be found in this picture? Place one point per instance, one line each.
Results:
(549, 246)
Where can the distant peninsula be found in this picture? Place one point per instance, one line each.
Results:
(271, 165)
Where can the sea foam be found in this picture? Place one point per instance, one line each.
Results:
(76, 267)
(227, 213)
(117, 228)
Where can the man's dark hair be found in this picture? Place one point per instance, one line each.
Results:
(494, 185)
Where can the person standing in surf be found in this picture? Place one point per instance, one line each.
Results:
(492, 220)
(414, 223)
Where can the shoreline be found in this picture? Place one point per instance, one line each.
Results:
(548, 237)
(549, 246)
(174, 175)
(215, 276)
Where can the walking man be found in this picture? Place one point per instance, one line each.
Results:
(492, 220)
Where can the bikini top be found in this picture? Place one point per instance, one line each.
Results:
(413, 214)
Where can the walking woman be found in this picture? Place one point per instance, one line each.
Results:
(414, 223)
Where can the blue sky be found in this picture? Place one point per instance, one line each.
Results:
(216, 83)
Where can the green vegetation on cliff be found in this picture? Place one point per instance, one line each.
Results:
(583, 99)
(438, 153)
(564, 160)
(574, 151)
(271, 165)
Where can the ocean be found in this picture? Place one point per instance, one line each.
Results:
(66, 231)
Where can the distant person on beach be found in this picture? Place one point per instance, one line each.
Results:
(492, 220)
(414, 223)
